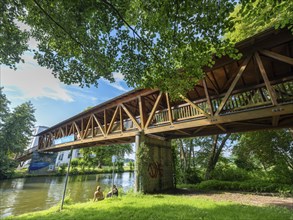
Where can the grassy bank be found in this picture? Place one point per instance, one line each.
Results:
(159, 207)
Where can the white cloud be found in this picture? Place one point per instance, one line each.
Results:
(33, 81)
(119, 79)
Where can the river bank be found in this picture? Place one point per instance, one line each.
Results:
(22, 195)
(160, 206)
(23, 173)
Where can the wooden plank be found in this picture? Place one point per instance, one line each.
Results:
(112, 120)
(277, 56)
(237, 77)
(154, 109)
(169, 108)
(269, 87)
(131, 116)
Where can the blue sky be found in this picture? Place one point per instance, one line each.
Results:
(53, 101)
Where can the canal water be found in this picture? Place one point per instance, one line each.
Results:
(18, 196)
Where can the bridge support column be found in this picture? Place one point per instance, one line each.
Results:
(154, 164)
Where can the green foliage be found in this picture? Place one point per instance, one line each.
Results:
(191, 176)
(153, 44)
(159, 207)
(255, 16)
(102, 155)
(15, 133)
(74, 164)
(266, 148)
(62, 168)
(131, 165)
(120, 165)
(246, 186)
(13, 41)
(229, 173)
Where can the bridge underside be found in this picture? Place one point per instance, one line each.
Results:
(253, 93)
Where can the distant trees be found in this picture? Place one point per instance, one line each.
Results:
(102, 155)
(270, 150)
(262, 155)
(15, 132)
(202, 154)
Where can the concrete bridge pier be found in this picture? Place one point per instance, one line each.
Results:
(154, 164)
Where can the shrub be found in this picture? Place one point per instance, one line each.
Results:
(246, 186)
(229, 173)
(62, 168)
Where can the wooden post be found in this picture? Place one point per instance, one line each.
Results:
(137, 143)
(66, 180)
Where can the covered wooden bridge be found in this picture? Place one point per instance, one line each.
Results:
(253, 93)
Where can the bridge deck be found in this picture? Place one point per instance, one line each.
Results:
(255, 92)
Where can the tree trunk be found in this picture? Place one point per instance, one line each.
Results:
(182, 155)
(215, 154)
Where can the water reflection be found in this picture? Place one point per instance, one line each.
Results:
(38, 193)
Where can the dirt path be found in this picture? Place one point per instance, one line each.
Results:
(241, 198)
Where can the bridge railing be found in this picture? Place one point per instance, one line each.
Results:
(243, 100)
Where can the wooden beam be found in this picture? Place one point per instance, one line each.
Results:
(87, 127)
(269, 87)
(277, 56)
(169, 108)
(195, 106)
(214, 86)
(184, 132)
(237, 77)
(105, 121)
(203, 112)
(275, 120)
(131, 116)
(141, 104)
(92, 123)
(208, 97)
(199, 129)
(77, 130)
(99, 124)
(112, 120)
(154, 109)
(121, 119)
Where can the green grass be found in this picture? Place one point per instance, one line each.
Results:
(159, 207)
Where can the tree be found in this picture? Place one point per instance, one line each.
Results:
(252, 17)
(154, 44)
(269, 148)
(15, 133)
(102, 155)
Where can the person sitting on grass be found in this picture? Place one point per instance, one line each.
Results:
(98, 195)
(113, 192)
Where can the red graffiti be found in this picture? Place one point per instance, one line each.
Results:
(155, 170)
